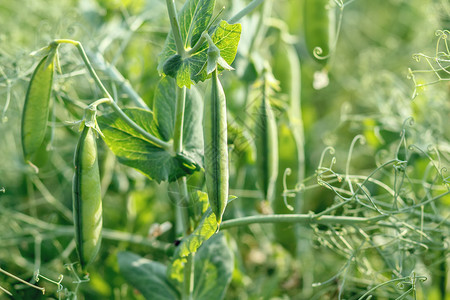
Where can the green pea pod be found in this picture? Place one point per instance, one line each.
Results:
(36, 108)
(267, 146)
(319, 28)
(215, 146)
(87, 200)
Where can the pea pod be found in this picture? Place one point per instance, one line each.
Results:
(215, 147)
(87, 201)
(319, 28)
(267, 145)
(36, 108)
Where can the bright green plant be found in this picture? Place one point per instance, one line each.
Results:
(223, 91)
(37, 107)
(216, 148)
(87, 199)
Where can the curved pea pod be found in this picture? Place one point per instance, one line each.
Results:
(215, 147)
(36, 108)
(267, 146)
(319, 28)
(87, 201)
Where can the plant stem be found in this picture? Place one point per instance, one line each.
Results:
(197, 46)
(175, 27)
(201, 40)
(115, 75)
(189, 278)
(301, 219)
(179, 119)
(182, 190)
(246, 10)
(165, 145)
(189, 266)
(177, 148)
(23, 281)
(51, 231)
(184, 196)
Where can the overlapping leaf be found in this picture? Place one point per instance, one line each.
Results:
(194, 18)
(149, 277)
(214, 265)
(204, 230)
(134, 150)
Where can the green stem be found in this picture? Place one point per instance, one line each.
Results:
(261, 28)
(201, 40)
(23, 281)
(177, 148)
(116, 76)
(184, 196)
(51, 232)
(179, 119)
(99, 101)
(175, 27)
(403, 279)
(301, 219)
(246, 10)
(182, 190)
(165, 145)
(189, 278)
(197, 46)
(208, 38)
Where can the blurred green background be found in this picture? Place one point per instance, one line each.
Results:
(369, 94)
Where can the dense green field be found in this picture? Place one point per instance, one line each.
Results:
(333, 149)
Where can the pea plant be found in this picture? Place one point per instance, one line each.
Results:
(224, 142)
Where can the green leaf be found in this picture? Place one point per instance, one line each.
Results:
(192, 69)
(147, 276)
(226, 38)
(164, 117)
(214, 264)
(193, 19)
(134, 150)
(172, 65)
(205, 229)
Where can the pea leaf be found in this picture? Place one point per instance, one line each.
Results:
(134, 150)
(193, 19)
(190, 244)
(226, 37)
(214, 264)
(192, 69)
(149, 277)
(164, 117)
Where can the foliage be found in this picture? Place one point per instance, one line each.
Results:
(361, 201)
